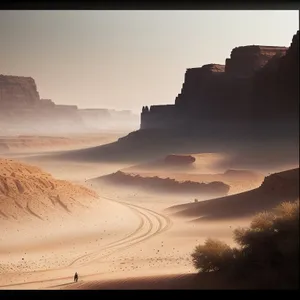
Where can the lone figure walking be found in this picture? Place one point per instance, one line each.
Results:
(75, 277)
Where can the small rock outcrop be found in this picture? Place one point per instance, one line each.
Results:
(166, 185)
(179, 160)
(283, 183)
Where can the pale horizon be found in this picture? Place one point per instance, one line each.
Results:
(128, 59)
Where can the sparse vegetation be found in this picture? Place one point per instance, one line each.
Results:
(267, 252)
(214, 255)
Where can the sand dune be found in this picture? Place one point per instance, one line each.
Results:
(124, 240)
(276, 188)
(27, 191)
(242, 153)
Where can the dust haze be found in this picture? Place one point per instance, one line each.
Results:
(124, 200)
(123, 232)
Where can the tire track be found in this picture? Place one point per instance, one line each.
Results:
(158, 217)
(132, 239)
(137, 236)
(141, 224)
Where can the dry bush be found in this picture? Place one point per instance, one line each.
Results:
(269, 248)
(212, 256)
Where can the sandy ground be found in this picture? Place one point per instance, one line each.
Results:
(124, 239)
(18, 145)
(121, 239)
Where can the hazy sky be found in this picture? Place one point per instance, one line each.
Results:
(127, 59)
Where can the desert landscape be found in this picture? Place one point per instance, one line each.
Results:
(199, 194)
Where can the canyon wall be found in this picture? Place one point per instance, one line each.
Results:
(276, 86)
(22, 111)
(245, 61)
(257, 83)
(18, 92)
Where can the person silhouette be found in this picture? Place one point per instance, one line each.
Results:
(75, 277)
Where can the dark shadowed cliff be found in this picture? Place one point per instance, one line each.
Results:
(248, 108)
(256, 84)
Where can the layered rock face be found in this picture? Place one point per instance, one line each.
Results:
(276, 86)
(245, 61)
(46, 103)
(23, 112)
(161, 116)
(257, 83)
(18, 92)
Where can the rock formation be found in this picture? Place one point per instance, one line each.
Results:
(275, 189)
(276, 86)
(46, 103)
(161, 185)
(256, 83)
(23, 112)
(18, 92)
(179, 160)
(245, 61)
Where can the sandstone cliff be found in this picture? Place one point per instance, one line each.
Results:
(256, 83)
(23, 112)
(245, 61)
(18, 92)
(276, 86)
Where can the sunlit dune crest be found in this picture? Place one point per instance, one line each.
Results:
(27, 191)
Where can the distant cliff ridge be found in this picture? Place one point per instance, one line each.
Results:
(22, 111)
(16, 91)
(256, 83)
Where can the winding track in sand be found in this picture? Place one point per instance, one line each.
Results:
(150, 224)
